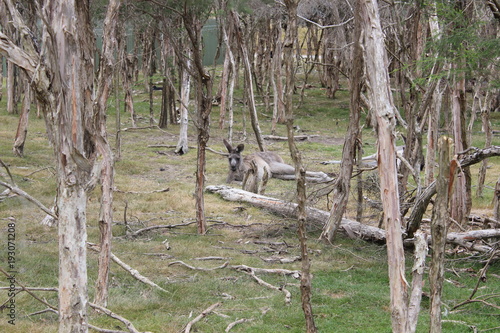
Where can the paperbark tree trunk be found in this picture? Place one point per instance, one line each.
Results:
(383, 108)
(104, 85)
(185, 78)
(440, 217)
(63, 82)
(22, 126)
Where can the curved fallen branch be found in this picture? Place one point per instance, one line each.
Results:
(234, 323)
(202, 315)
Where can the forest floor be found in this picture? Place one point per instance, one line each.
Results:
(154, 187)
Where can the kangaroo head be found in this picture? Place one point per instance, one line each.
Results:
(234, 156)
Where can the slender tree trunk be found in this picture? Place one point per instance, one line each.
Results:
(459, 197)
(185, 77)
(22, 126)
(342, 186)
(440, 217)
(249, 82)
(289, 46)
(104, 85)
(383, 106)
(11, 89)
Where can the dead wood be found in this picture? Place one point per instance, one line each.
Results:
(28, 197)
(234, 323)
(288, 295)
(466, 158)
(284, 138)
(148, 192)
(154, 227)
(180, 262)
(129, 269)
(113, 315)
(288, 209)
(202, 315)
(352, 228)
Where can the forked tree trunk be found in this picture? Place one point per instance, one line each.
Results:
(440, 217)
(383, 107)
(342, 186)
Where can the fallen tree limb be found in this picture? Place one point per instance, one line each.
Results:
(129, 269)
(350, 227)
(289, 209)
(154, 227)
(113, 315)
(234, 323)
(284, 138)
(467, 158)
(202, 315)
(20, 192)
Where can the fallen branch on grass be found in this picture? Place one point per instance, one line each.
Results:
(149, 192)
(352, 228)
(25, 195)
(129, 269)
(154, 227)
(288, 295)
(113, 315)
(202, 315)
(234, 323)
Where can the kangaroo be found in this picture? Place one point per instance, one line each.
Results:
(260, 165)
(253, 170)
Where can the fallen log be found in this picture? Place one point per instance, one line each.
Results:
(351, 228)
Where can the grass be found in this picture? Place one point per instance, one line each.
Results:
(350, 284)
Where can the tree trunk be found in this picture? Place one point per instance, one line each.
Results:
(22, 127)
(342, 186)
(249, 82)
(182, 144)
(496, 201)
(383, 106)
(440, 217)
(289, 46)
(11, 88)
(104, 85)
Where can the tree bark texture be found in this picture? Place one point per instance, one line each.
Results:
(383, 108)
(440, 217)
(104, 86)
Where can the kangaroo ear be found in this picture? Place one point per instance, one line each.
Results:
(240, 147)
(228, 145)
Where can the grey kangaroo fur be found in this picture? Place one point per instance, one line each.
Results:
(255, 169)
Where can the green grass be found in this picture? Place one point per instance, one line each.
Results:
(350, 282)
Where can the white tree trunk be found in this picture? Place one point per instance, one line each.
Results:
(182, 144)
(383, 106)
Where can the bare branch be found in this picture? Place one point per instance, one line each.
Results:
(202, 315)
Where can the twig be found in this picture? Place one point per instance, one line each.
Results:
(167, 226)
(42, 311)
(288, 295)
(20, 192)
(31, 289)
(149, 192)
(202, 315)
(234, 323)
(179, 262)
(8, 171)
(104, 330)
(129, 269)
(27, 290)
(111, 314)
